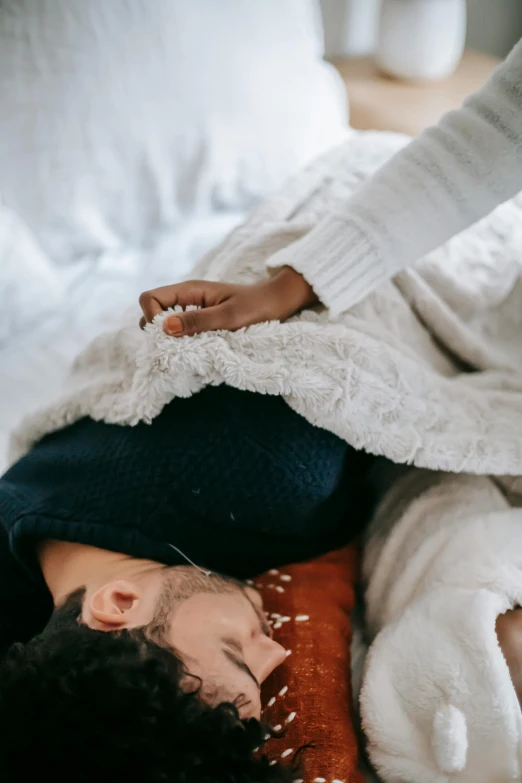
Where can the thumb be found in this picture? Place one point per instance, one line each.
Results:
(193, 322)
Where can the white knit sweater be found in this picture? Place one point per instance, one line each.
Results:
(452, 175)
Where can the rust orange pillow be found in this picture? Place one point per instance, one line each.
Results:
(309, 695)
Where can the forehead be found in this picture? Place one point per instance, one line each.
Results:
(254, 596)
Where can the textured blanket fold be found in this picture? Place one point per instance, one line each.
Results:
(443, 560)
(391, 376)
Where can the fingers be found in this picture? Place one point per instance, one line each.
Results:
(198, 293)
(197, 321)
(155, 302)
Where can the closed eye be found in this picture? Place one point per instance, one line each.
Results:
(238, 663)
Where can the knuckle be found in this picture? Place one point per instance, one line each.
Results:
(145, 297)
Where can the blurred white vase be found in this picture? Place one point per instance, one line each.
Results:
(421, 39)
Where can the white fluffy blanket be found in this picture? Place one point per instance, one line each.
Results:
(442, 562)
(391, 376)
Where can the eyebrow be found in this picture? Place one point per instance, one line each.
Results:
(260, 616)
(241, 665)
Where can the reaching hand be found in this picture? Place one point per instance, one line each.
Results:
(227, 306)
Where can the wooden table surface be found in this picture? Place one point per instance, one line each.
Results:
(383, 103)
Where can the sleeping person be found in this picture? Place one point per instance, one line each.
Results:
(121, 551)
(146, 669)
(442, 690)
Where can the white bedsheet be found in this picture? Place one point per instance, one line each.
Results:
(33, 364)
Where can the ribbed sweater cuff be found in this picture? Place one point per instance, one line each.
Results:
(338, 261)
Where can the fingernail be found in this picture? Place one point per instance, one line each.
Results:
(173, 325)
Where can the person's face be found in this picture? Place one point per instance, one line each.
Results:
(216, 625)
(225, 640)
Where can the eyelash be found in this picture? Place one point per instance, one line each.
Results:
(241, 701)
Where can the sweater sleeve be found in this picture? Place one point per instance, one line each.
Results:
(449, 177)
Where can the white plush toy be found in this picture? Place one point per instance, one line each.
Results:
(443, 561)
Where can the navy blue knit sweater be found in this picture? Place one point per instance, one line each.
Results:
(235, 480)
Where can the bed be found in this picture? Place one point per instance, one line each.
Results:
(92, 295)
(131, 143)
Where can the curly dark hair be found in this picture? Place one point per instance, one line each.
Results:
(92, 707)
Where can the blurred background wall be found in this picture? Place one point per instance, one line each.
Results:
(351, 25)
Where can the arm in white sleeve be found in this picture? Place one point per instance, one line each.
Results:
(448, 178)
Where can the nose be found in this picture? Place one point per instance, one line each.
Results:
(271, 655)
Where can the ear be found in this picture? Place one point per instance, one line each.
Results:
(114, 606)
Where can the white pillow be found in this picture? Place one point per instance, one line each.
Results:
(121, 117)
(29, 285)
